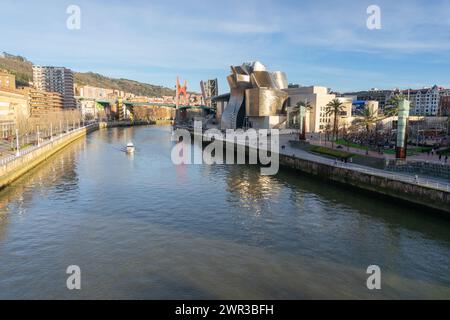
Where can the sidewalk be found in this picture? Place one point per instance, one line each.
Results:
(430, 182)
(418, 157)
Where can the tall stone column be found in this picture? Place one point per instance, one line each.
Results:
(301, 123)
(403, 114)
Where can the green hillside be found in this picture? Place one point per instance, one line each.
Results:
(22, 69)
(19, 66)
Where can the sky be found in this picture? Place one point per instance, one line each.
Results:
(320, 42)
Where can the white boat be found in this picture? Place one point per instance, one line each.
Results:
(130, 147)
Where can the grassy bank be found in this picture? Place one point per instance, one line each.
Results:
(331, 152)
(410, 151)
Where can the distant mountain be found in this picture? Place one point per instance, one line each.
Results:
(22, 69)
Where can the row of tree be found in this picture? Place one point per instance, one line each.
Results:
(366, 119)
(32, 128)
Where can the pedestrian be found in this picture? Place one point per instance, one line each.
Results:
(446, 158)
(440, 156)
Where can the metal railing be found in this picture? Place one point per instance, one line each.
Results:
(424, 182)
(21, 153)
(416, 180)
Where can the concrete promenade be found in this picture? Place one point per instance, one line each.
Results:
(14, 166)
(435, 183)
(425, 157)
(428, 193)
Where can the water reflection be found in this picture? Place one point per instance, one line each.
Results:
(141, 227)
(251, 190)
(57, 177)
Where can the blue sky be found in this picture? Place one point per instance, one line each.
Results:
(315, 42)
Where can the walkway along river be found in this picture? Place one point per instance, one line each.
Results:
(140, 227)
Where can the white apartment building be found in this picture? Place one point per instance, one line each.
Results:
(88, 109)
(55, 79)
(424, 102)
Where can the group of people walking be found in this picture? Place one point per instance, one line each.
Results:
(441, 157)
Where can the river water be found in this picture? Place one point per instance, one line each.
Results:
(140, 227)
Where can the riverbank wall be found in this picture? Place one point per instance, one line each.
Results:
(388, 185)
(115, 124)
(13, 167)
(31, 157)
(427, 197)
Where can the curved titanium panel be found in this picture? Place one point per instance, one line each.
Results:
(262, 79)
(230, 114)
(280, 80)
(261, 102)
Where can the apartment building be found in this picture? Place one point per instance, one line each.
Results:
(13, 107)
(88, 108)
(424, 102)
(42, 104)
(90, 92)
(55, 79)
(444, 105)
(381, 96)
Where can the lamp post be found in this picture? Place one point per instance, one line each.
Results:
(38, 139)
(17, 143)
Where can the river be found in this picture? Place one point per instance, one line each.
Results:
(140, 227)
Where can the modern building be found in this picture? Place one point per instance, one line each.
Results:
(88, 108)
(7, 80)
(317, 97)
(424, 102)
(90, 92)
(41, 103)
(13, 107)
(55, 79)
(257, 98)
(382, 96)
(444, 105)
(359, 105)
(210, 88)
(347, 115)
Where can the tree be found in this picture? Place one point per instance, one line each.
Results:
(334, 108)
(391, 108)
(366, 119)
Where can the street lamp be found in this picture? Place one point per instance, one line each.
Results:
(17, 143)
(38, 139)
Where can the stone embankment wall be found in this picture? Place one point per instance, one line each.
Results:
(15, 168)
(413, 193)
